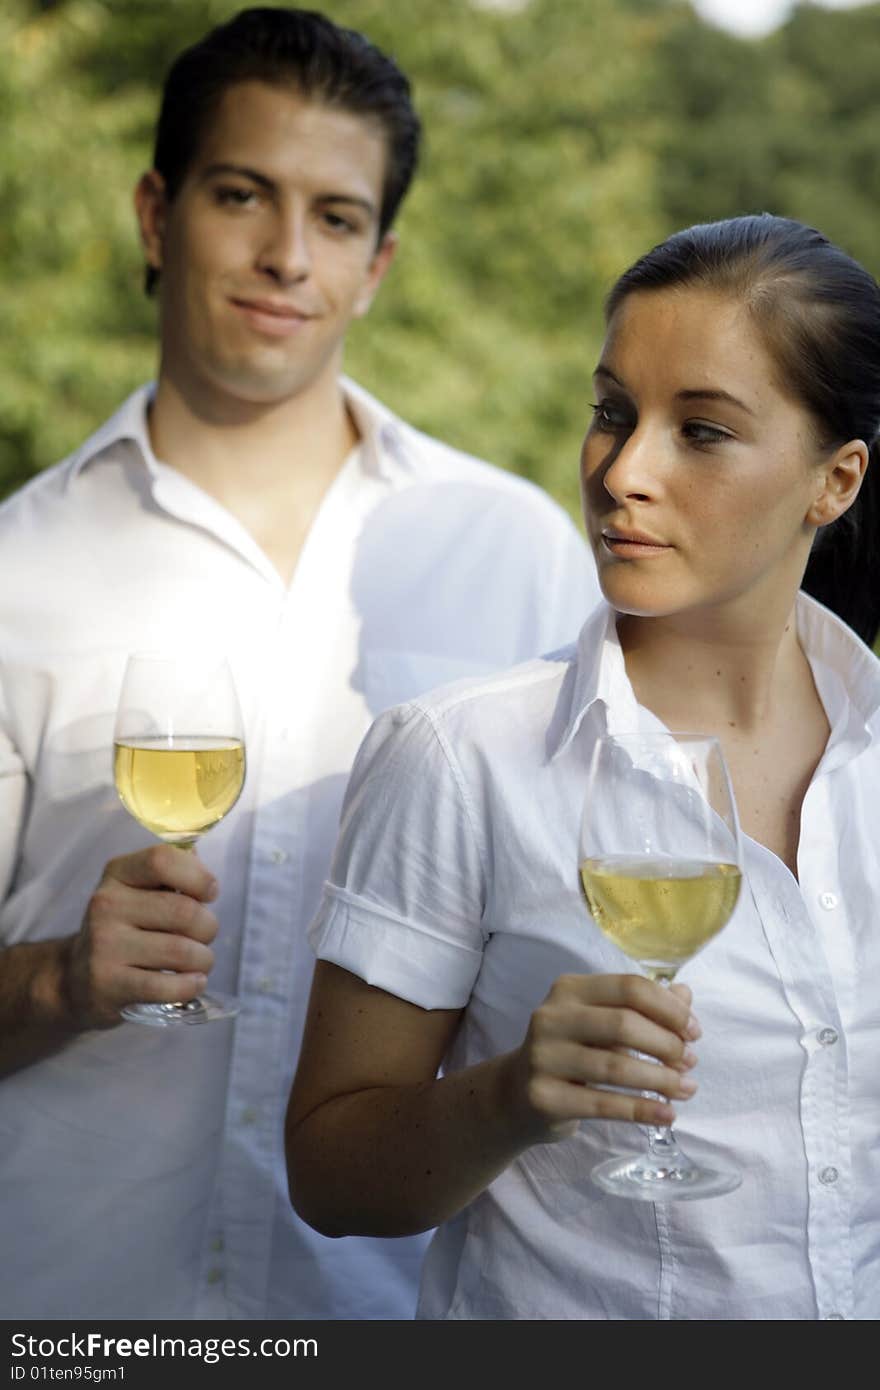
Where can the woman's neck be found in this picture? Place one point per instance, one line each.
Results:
(713, 673)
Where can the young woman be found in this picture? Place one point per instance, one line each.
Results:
(737, 405)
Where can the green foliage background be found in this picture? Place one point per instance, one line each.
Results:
(564, 137)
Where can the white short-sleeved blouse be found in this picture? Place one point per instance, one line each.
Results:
(454, 884)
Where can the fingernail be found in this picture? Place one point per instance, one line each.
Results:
(693, 1029)
(689, 1057)
(687, 1086)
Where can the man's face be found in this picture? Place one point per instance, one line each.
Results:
(269, 249)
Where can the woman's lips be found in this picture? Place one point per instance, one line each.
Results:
(632, 545)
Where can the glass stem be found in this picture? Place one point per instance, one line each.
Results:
(192, 1005)
(661, 1140)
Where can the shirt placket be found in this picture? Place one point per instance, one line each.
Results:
(811, 982)
(826, 1082)
(255, 1107)
(275, 961)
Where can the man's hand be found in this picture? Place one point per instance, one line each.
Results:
(146, 917)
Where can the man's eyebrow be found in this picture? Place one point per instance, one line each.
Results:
(702, 393)
(239, 171)
(262, 181)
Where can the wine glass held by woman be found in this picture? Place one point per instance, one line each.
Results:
(737, 404)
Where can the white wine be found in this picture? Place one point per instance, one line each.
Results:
(178, 787)
(660, 911)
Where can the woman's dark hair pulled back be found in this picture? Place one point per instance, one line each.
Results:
(818, 312)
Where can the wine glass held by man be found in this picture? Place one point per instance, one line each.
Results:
(179, 767)
(737, 403)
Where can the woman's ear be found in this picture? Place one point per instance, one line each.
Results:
(839, 482)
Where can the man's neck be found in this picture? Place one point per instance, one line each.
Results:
(270, 467)
(277, 446)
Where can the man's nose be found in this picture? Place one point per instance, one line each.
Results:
(285, 253)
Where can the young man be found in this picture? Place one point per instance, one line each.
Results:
(255, 503)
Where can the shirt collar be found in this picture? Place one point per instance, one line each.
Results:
(129, 424)
(847, 676)
(387, 443)
(385, 450)
(600, 679)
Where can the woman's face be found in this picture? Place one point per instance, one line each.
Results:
(698, 472)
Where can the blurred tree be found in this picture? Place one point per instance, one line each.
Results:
(787, 125)
(537, 184)
(561, 141)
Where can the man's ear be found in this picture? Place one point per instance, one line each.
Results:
(839, 482)
(151, 207)
(382, 258)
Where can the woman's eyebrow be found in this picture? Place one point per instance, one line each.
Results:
(708, 393)
(701, 393)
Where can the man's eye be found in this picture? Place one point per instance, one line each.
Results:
(336, 223)
(235, 197)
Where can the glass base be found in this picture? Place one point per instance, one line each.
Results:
(645, 1178)
(206, 1008)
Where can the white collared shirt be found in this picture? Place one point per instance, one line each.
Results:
(142, 1173)
(464, 893)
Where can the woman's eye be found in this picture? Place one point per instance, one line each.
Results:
(607, 416)
(699, 433)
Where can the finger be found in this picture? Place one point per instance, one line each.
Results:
(164, 866)
(592, 1066)
(152, 910)
(685, 994)
(153, 987)
(634, 992)
(619, 1029)
(563, 1100)
(164, 951)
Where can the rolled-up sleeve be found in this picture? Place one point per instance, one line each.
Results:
(404, 904)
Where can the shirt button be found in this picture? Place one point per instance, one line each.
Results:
(828, 901)
(249, 1116)
(828, 1176)
(278, 856)
(217, 1244)
(265, 984)
(215, 1275)
(828, 1036)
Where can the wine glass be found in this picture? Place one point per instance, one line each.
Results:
(660, 868)
(179, 766)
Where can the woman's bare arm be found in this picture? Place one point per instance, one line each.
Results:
(377, 1144)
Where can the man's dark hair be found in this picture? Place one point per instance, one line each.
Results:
(292, 48)
(818, 312)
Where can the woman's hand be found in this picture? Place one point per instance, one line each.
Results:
(581, 1040)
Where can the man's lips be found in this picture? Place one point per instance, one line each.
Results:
(271, 316)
